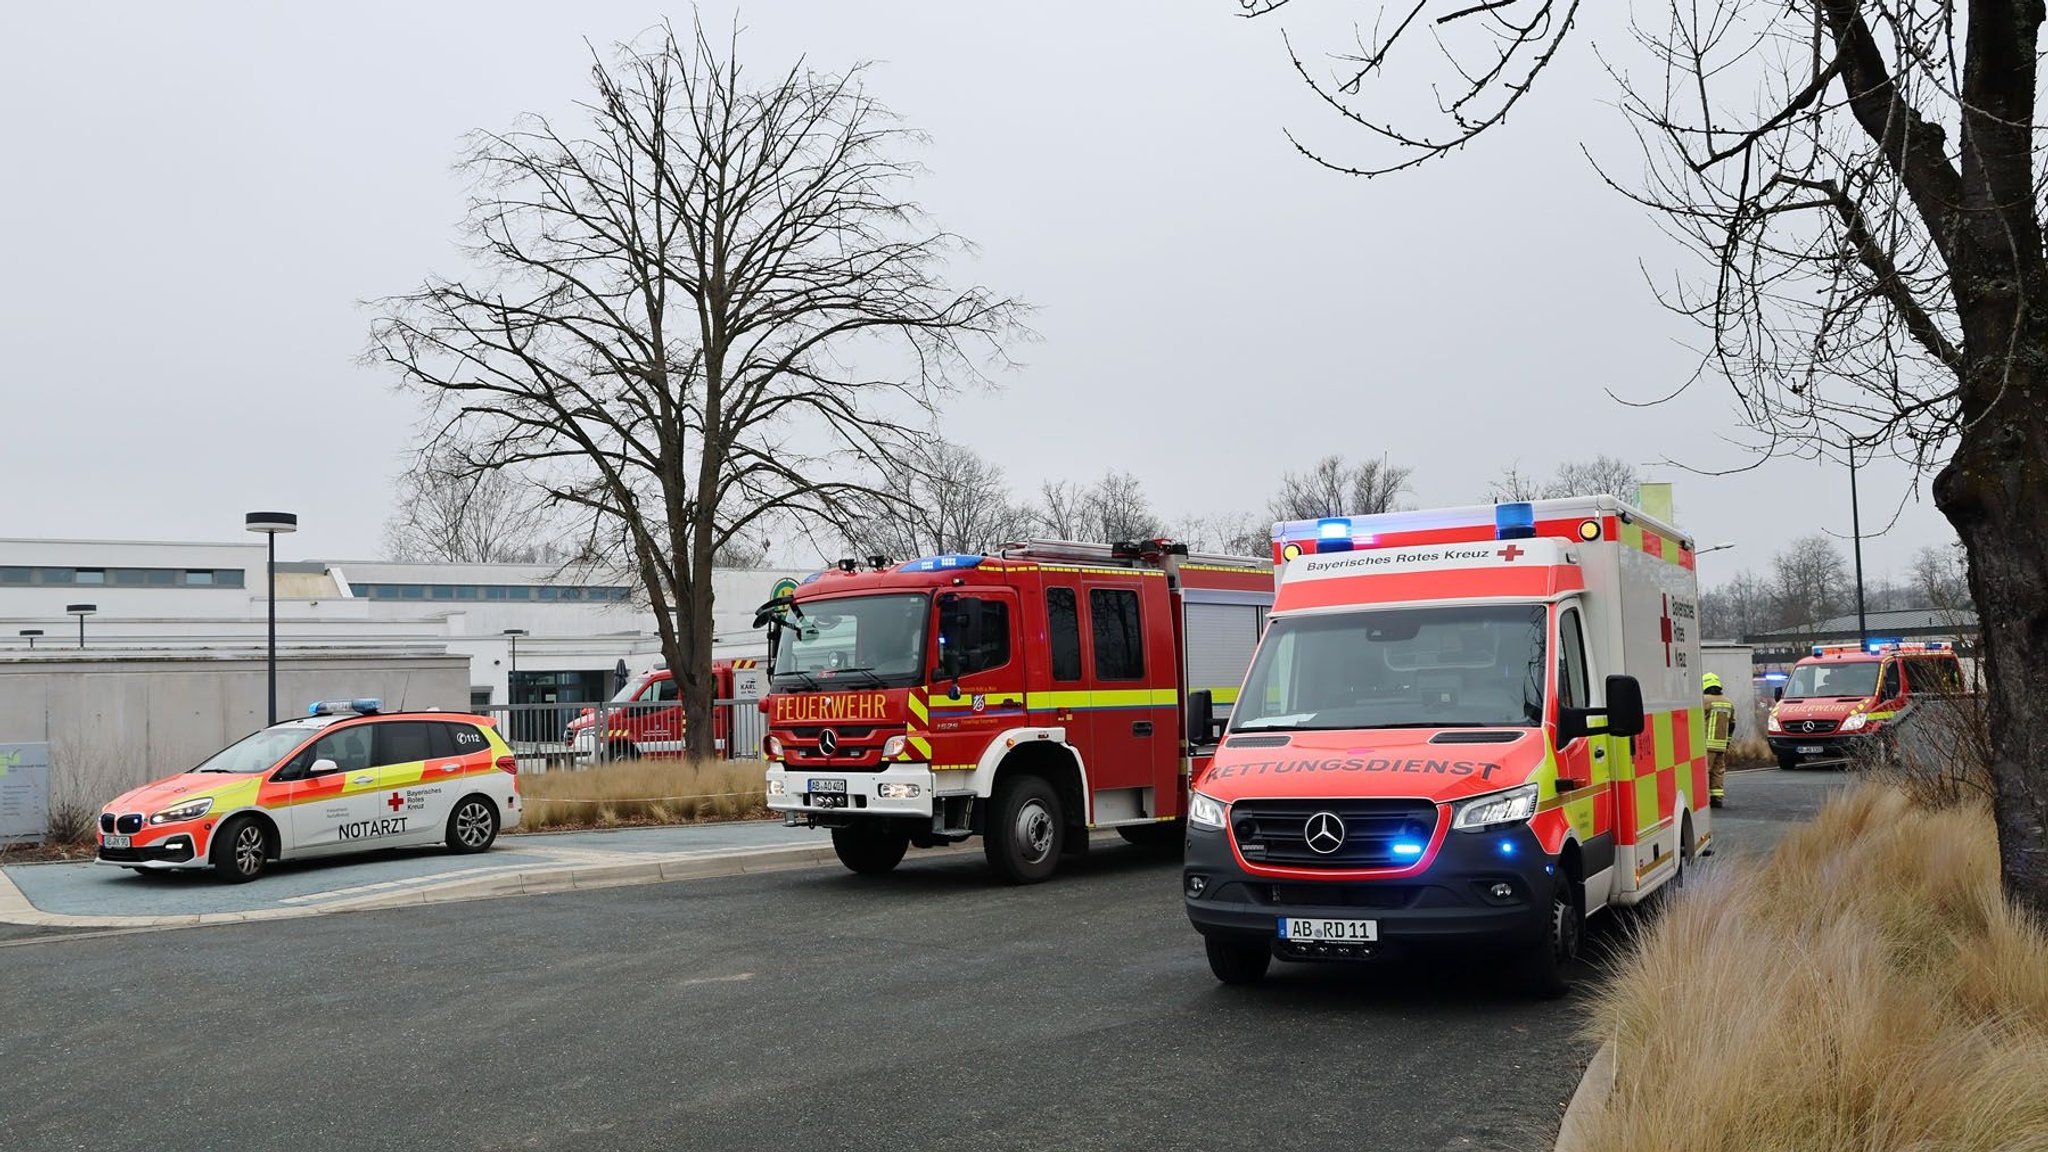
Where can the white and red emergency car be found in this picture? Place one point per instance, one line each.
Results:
(1471, 727)
(1846, 699)
(1025, 697)
(645, 718)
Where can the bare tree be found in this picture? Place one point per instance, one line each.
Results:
(1333, 488)
(941, 498)
(1863, 181)
(1232, 533)
(671, 311)
(1743, 607)
(1513, 486)
(466, 516)
(1062, 511)
(1810, 581)
(1119, 510)
(1602, 475)
(1937, 578)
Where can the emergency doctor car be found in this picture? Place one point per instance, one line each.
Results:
(346, 778)
(1469, 728)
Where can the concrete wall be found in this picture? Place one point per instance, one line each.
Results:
(1731, 662)
(117, 720)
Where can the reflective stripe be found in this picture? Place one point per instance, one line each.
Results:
(1104, 698)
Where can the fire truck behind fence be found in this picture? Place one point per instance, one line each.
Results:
(644, 720)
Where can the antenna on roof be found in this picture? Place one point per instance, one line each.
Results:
(403, 689)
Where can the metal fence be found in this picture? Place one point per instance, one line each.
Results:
(558, 737)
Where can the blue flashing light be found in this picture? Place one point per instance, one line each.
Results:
(1514, 521)
(1507, 847)
(361, 706)
(1774, 677)
(948, 563)
(1333, 534)
(1407, 848)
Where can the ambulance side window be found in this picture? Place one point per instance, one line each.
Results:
(348, 748)
(1571, 668)
(1063, 632)
(1890, 689)
(466, 740)
(407, 741)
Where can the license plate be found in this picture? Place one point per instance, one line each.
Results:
(110, 840)
(1329, 931)
(1809, 749)
(816, 786)
(828, 800)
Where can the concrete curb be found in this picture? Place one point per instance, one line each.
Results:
(1590, 1096)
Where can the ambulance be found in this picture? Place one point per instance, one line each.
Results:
(1465, 729)
(1847, 699)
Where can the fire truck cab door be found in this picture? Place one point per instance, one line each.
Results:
(978, 673)
(1134, 730)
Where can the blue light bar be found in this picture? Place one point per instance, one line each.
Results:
(1333, 534)
(1407, 848)
(1514, 521)
(949, 563)
(361, 706)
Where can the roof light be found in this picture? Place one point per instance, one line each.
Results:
(361, 706)
(1514, 521)
(946, 563)
(1333, 534)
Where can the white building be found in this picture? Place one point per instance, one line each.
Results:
(158, 596)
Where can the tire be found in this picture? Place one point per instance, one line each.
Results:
(1788, 762)
(870, 849)
(1238, 962)
(1550, 962)
(240, 851)
(1165, 839)
(1026, 831)
(622, 750)
(472, 825)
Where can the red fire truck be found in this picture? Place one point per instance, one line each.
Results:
(645, 718)
(1026, 697)
(1845, 698)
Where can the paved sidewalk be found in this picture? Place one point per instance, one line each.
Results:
(83, 895)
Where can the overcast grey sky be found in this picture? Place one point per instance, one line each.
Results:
(198, 195)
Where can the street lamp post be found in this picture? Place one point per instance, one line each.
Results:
(31, 633)
(1713, 548)
(512, 679)
(270, 524)
(81, 611)
(1856, 532)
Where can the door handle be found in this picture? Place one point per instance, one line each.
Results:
(364, 780)
(1599, 753)
(1141, 727)
(451, 767)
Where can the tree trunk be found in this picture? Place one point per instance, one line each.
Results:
(1995, 493)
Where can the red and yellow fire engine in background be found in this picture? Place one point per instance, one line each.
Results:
(645, 718)
(1845, 699)
(1468, 728)
(1025, 697)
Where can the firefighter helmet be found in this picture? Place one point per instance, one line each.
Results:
(1710, 681)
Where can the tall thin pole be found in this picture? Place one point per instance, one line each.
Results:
(1856, 531)
(271, 566)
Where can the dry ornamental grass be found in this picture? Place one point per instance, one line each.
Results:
(1869, 989)
(644, 792)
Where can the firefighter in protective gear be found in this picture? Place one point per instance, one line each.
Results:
(1720, 727)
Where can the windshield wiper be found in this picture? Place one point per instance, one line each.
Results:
(809, 681)
(868, 672)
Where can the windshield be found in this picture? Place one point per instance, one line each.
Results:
(1399, 668)
(853, 641)
(255, 753)
(1856, 680)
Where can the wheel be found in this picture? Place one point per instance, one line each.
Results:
(473, 826)
(1550, 962)
(1788, 762)
(1238, 961)
(1166, 838)
(870, 849)
(1026, 830)
(622, 750)
(241, 850)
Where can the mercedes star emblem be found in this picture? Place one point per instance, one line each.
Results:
(828, 742)
(1325, 833)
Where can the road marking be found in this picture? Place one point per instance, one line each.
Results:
(735, 978)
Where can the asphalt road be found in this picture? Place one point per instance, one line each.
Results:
(814, 1010)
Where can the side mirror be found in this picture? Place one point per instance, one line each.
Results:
(1625, 707)
(322, 768)
(1778, 693)
(1201, 718)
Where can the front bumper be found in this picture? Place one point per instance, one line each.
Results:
(175, 848)
(1831, 748)
(863, 791)
(1449, 904)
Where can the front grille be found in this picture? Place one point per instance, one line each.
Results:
(1810, 727)
(844, 734)
(1280, 832)
(1259, 741)
(129, 823)
(1457, 736)
(122, 855)
(106, 821)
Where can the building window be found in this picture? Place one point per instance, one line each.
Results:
(199, 578)
(15, 575)
(443, 591)
(228, 577)
(59, 575)
(92, 576)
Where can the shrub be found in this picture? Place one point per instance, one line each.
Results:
(644, 792)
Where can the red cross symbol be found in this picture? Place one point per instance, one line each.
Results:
(1511, 553)
(396, 801)
(1664, 627)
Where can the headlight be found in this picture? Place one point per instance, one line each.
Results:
(1855, 721)
(189, 810)
(897, 791)
(1510, 807)
(773, 747)
(1204, 811)
(1773, 724)
(776, 788)
(894, 746)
